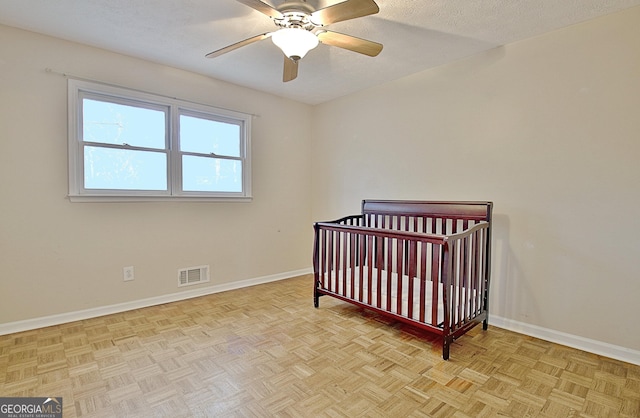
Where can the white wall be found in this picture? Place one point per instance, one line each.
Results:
(548, 129)
(57, 256)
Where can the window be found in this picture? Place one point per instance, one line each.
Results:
(128, 145)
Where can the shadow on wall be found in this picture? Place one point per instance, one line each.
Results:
(510, 288)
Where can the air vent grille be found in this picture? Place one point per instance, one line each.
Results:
(193, 275)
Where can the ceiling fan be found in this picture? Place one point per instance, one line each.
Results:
(301, 27)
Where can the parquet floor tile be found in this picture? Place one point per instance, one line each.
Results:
(266, 351)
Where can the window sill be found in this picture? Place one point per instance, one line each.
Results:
(193, 198)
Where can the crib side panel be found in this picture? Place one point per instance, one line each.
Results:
(466, 279)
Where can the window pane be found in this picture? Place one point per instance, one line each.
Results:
(112, 123)
(109, 168)
(206, 136)
(202, 174)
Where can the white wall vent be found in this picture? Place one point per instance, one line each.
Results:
(193, 275)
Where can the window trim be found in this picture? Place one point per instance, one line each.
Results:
(79, 89)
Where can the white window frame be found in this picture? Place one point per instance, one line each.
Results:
(79, 89)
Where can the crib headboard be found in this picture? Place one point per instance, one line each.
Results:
(477, 211)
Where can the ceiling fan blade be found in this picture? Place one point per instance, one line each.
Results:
(349, 42)
(290, 69)
(349, 9)
(237, 45)
(263, 8)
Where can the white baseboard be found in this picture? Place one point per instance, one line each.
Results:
(592, 346)
(585, 344)
(47, 321)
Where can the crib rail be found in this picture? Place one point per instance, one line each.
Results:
(427, 271)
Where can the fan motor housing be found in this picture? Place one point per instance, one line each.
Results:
(295, 20)
(295, 6)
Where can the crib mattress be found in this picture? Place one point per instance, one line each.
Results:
(340, 282)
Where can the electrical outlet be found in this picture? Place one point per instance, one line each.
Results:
(127, 274)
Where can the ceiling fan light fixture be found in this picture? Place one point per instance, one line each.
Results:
(294, 42)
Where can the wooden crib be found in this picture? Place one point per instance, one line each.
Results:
(421, 262)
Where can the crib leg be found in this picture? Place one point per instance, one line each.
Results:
(445, 348)
(485, 324)
(316, 298)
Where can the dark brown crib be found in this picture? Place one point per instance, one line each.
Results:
(425, 263)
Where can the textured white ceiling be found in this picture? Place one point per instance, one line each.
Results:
(417, 35)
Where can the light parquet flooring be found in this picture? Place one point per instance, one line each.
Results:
(266, 351)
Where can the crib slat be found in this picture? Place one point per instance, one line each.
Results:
(464, 276)
(467, 278)
(352, 263)
(380, 268)
(469, 296)
(460, 283)
(412, 276)
(362, 253)
(323, 258)
(455, 277)
(369, 268)
(450, 289)
(480, 266)
(399, 272)
(464, 280)
(338, 239)
(423, 279)
(330, 260)
(435, 280)
(389, 269)
(345, 262)
(476, 272)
